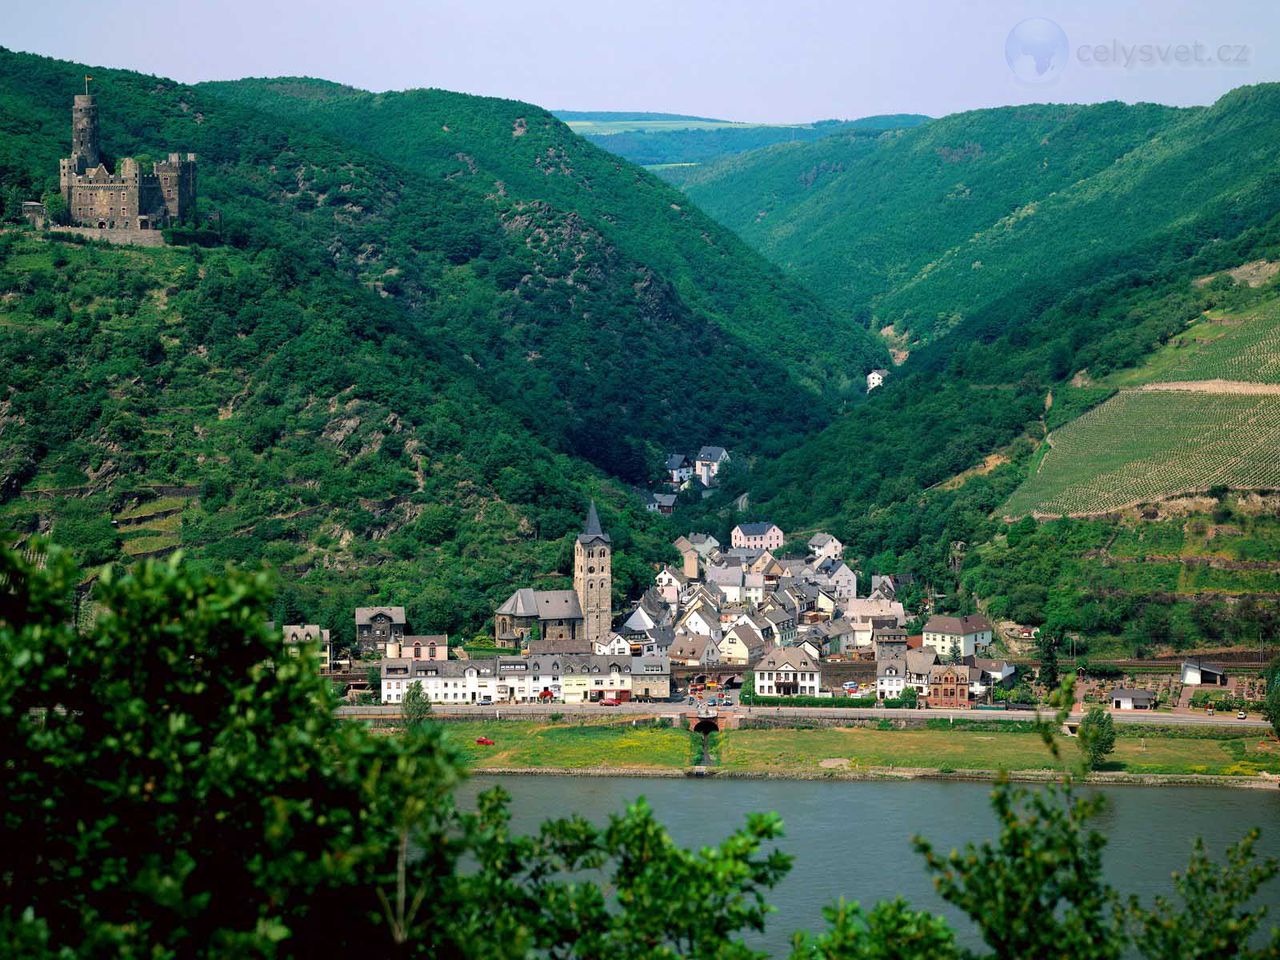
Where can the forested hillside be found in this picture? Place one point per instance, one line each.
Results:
(582, 215)
(1087, 282)
(605, 316)
(380, 376)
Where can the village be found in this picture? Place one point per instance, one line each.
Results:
(752, 619)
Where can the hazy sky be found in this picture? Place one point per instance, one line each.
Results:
(737, 59)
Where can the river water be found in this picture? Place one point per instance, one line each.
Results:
(853, 839)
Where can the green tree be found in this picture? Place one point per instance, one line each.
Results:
(1219, 913)
(909, 696)
(1097, 736)
(1048, 673)
(415, 708)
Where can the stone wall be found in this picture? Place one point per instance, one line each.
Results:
(137, 238)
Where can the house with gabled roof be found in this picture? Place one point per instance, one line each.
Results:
(958, 637)
(694, 649)
(378, 626)
(679, 468)
(758, 535)
(787, 672)
(708, 463)
(823, 546)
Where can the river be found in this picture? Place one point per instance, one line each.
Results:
(852, 838)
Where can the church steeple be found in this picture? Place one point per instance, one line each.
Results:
(592, 529)
(593, 578)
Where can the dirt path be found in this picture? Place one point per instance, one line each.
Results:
(1238, 387)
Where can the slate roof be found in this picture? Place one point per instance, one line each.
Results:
(958, 626)
(366, 614)
(756, 529)
(592, 532)
(714, 454)
(677, 461)
(787, 658)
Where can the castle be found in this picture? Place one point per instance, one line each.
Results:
(128, 199)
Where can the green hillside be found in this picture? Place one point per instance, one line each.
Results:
(581, 211)
(1203, 411)
(963, 418)
(383, 376)
(610, 329)
(1007, 209)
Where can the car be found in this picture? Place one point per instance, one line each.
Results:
(1242, 715)
(610, 702)
(484, 741)
(486, 701)
(726, 702)
(850, 685)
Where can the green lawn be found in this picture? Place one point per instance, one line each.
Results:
(570, 744)
(521, 743)
(802, 750)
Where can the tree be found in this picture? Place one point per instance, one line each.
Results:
(415, 709)
(909, 696)
(1271, 702)
(1048, 674)
(1097, 736)
(1218, 916)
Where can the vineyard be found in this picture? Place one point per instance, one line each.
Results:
(1242, 346)
(1139, 447)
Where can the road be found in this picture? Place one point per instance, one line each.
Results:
(533, 710)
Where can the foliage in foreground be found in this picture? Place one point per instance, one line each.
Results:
(176, 785)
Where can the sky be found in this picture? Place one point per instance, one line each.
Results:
(771, 61)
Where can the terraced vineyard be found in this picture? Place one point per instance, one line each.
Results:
(1242, 346)
(1142, 446)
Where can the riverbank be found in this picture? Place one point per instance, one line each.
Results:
(634, 748)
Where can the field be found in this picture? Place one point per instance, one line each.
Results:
(1142, 446)
(574, 745)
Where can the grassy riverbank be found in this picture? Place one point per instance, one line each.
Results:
(570, 745)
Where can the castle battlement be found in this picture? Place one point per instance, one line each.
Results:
(128, 199)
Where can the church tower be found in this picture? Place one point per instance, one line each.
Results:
(593, 579)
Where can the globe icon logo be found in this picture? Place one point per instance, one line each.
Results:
(1036, 50)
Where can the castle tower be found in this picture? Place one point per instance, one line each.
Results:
(593, 579)
(84, 132)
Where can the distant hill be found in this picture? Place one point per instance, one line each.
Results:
(673, 145)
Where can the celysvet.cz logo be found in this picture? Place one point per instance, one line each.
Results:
(1038, 51)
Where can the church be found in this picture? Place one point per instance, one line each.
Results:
(567, 621)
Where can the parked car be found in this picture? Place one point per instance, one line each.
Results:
(610, 702)
(1242, 715)
(484, 741)
(486, 701)
(850, 685)
(727, 702)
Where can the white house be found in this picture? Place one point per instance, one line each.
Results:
(729, 580)
(891, 678)
(787, 672)
(823, 546)
(616, 645)
(708, 463)
(865, 615)
(1123, 698)
(679, 468)
(837, 576)
(876, 378)
(957, 636)
(757, 536)
(694, 649)
(670, 583)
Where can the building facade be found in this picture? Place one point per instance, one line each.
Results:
(593, 579)
(129, 198)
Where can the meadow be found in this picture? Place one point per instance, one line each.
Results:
(571, 744)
